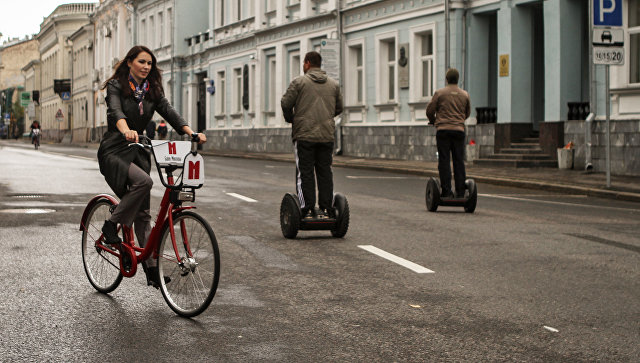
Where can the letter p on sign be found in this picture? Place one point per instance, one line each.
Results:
(607, 12)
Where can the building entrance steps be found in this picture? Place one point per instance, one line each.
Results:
(524, 153)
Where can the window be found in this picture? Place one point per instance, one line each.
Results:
(355, 74)
(152, 34)
(220, 12)
(143, 31)
(270, 83)
(634, 41)
(220, 93)
(237, 90)
(237, 10)
(294, 65)
(161, 30)
(168, 29)
(426, 64)
(270, 5)
(387, 71)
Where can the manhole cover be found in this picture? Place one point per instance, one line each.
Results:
(27, 211)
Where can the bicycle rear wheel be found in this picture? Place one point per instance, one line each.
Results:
(102, 268)
(189, 284)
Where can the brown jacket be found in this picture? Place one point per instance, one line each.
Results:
(449, 107)
(310, 104)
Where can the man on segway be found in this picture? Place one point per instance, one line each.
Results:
(310, 104)
(449, 108)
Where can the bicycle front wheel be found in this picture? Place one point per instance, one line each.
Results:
(188, 283)
(102, 268)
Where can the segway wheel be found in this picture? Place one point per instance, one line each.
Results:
(470, 204)
(432, 195)
(342, 216)
(289, 216)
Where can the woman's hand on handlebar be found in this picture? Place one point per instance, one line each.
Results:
(131, 135)
(202, 138)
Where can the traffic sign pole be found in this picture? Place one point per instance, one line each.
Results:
(608, 108)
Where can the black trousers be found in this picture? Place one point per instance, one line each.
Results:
(313, 162)
(451, 143)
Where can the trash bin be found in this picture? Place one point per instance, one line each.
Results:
(565, 158)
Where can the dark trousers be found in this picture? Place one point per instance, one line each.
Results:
(134, 207)
(313, 162)
(451, 142)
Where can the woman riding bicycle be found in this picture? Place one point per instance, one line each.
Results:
(134, 94)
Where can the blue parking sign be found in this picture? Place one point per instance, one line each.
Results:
(607, 12)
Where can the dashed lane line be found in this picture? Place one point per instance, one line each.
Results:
(242, 197)
(399, 260)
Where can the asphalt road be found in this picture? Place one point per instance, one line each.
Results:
(530, 276)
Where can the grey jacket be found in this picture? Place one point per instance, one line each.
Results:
(310, 104)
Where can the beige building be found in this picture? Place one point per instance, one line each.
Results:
(56, 64)
(12, 58)
(82, 76)
(31, 74)
(113, 38)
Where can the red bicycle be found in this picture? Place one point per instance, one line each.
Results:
(181, 241)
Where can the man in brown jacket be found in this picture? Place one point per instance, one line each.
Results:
(448, 109)
(310, 104)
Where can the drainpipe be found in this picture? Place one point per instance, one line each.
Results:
(464, 47)
(588, 167)
(338, 150)
(446, 35)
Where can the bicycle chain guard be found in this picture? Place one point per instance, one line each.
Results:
(128, 260)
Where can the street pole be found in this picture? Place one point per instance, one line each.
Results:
(608, 110)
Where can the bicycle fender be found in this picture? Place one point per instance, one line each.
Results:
(92, 202)
(178, 210)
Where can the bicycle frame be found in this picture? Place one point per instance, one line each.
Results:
(170, 205)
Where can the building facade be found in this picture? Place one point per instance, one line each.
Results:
(114, 26)
(56, 53)
(12, 84)
(82, 73)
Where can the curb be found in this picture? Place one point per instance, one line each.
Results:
(511, 182)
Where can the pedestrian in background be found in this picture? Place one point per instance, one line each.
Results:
(310, 104)
(151, 130)
(134, 94)
(162, 130)
(448, 109)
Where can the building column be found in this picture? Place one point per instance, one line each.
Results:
(563, 57)
(515, 41)
(207, 104)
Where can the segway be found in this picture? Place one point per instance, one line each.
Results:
(292, 220)
(434, 199)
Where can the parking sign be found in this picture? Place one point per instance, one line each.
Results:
(607, 12)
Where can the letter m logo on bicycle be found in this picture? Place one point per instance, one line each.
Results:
(194, 170)
(172, 147)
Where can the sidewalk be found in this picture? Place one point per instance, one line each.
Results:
(625, 188)
(551, 179)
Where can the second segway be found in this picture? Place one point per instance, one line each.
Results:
(292, 220)
(434, 199)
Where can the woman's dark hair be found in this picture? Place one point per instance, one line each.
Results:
(121, 74)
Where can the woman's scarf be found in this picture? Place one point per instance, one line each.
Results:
(139, 91)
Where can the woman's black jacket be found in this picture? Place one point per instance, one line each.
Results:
(114, 154)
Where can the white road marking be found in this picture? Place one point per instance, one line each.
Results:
(399, 260)
(551, 329)
(379, 177)
(71, 156)
(242, 197)
(553, 202)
